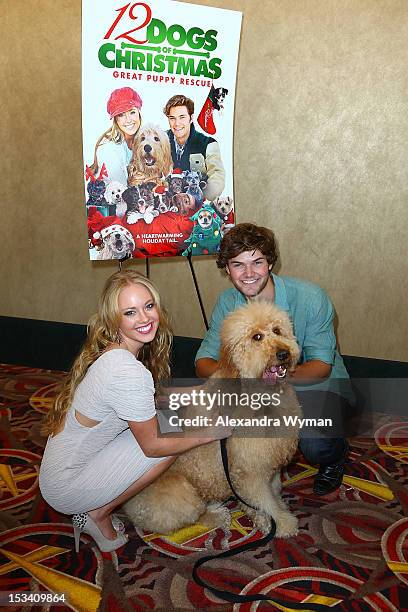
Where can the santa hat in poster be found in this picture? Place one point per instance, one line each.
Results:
(158, 88)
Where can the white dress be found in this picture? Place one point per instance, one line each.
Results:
(87, 467)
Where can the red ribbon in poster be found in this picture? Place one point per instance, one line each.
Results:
(89, 175)
(103, 173)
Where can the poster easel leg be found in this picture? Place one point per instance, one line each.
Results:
(190, 262)
(120, 262)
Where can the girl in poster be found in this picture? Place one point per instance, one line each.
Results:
(114, 147)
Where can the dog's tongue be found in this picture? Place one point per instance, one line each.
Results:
(274, 373)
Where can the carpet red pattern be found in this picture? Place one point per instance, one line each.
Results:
(351, 552)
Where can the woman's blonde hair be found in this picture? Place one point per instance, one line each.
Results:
(103, 328)
(113, 134)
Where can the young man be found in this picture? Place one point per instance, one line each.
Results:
(248, 254)
(192, 150)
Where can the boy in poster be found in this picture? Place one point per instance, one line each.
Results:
(192, 150)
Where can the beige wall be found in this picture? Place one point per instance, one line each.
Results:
(321, 136)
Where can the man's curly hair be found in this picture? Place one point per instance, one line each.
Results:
(247, 237)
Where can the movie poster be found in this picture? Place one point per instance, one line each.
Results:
(158, 89)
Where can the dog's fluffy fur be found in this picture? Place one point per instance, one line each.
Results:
(223, 206)
(164, 203)
(254, 339)
(192, 181)
(116, 245)
(175, 184)
(218, 97)
(185, 203)
(151, 159)
(96, 190)
(113, 196)
(141, 203)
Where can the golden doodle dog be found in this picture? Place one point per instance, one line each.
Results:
(257, 341)
(151, 159)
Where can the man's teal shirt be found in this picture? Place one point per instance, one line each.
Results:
(310, 311)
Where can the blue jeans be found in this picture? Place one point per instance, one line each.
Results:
(323, 450)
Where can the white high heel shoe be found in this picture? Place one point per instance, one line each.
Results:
(84, 523)
(117, 523)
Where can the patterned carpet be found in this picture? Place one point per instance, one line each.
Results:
(351, 552)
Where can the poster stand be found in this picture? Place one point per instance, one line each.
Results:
(190, 263)
(120, 262)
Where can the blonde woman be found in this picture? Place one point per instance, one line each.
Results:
(103, 444)
(114, 147)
